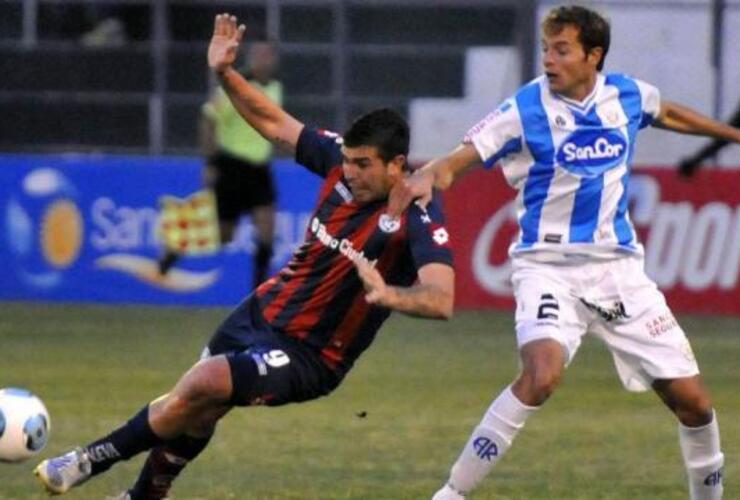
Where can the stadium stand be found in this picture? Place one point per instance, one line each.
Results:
(339, 59)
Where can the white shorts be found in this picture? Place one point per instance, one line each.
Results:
(612, 299)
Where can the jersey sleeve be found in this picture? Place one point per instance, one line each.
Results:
(318, 150)
(498, 135)
(650, 98)
(428, 236)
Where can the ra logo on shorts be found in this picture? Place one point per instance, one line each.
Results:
(590, 153)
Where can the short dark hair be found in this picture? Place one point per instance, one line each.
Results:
(593, 29)
(384, 129)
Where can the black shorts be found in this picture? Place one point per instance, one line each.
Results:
(240, 185)
(268, 368)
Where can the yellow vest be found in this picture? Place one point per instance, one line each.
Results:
(233, 134)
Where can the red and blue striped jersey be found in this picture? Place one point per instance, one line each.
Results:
(318, 298)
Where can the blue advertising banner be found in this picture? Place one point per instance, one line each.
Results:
(86, 228)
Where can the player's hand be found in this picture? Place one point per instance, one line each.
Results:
(374, 284)
(225, 42)
(417, 186)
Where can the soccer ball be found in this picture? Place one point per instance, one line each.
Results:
(24, 425)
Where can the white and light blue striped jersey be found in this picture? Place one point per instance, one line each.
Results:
(570, 162)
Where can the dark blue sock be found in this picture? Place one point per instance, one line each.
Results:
(123, 443)
(164, 464)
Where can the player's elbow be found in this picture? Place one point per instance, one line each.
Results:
(445, 306)
(446, 314)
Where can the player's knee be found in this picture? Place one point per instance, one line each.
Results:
(205, 385)
(545, 381)
(695, 411)
(536, 384)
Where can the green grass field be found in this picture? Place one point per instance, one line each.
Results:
(423, 385)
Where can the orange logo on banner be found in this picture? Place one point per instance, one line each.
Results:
(61, 233)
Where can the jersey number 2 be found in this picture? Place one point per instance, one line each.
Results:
(549, 307)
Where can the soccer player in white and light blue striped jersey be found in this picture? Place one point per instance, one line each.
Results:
(565, 141)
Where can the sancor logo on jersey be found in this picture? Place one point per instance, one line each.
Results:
(590, 153)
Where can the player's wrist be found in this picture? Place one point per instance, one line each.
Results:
(388, 297)
(222, 71)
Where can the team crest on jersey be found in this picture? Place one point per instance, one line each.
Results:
(590, 153)
(612, 117)
(389, 224)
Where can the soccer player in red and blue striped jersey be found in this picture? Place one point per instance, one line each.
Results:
(296, 337)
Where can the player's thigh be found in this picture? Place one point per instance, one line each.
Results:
(546, 308)
(207, 381)
(647, 342)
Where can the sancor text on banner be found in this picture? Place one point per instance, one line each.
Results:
(85, 228)
(690, 229)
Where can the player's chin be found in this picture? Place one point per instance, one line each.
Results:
(554, 85)
(362, 196)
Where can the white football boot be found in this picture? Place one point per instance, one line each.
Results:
(60, 474)
(448, 493)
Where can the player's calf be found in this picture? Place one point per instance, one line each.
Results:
(163, 465)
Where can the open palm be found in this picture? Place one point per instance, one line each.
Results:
(225, 42)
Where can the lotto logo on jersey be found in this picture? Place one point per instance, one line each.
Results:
(589, 153)
(440, 235)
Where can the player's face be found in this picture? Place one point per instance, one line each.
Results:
(570, 71)
(369, 177)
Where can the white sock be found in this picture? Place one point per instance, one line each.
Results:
(489, 441)
(703, 459)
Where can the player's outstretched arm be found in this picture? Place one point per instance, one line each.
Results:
(684, 120)
(441, 173)
(691, 164)
(432, 297)
(266, 117)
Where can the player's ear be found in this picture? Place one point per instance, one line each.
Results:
(594, 55)
(397, 165)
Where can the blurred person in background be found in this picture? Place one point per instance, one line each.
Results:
(238, 160)
(565, 141)
(691, 164)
